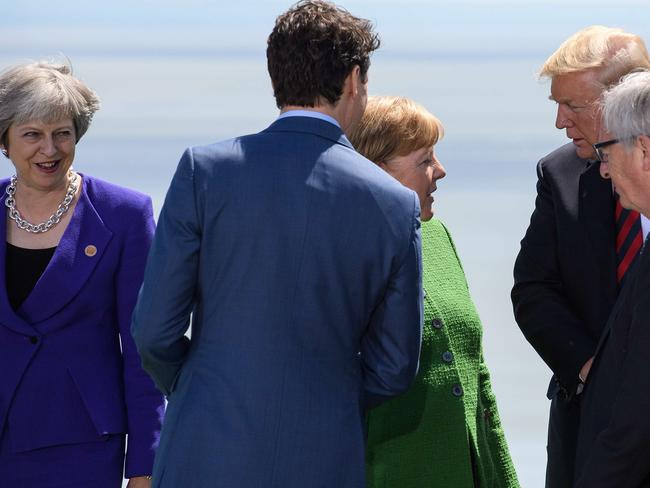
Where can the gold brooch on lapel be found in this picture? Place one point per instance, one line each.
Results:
(90, 250)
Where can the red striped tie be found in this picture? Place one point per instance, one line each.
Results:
(629, 238)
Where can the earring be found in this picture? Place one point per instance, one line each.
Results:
(5, 153)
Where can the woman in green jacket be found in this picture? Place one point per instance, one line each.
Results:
(445, 431)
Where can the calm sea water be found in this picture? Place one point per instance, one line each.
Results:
(174, 74)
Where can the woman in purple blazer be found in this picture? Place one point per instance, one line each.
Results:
(72, 256)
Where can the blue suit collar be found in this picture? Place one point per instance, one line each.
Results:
(310, 125)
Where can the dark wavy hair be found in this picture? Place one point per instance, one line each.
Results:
(313, 48)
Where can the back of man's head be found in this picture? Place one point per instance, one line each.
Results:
(611, 52)
(313, 48)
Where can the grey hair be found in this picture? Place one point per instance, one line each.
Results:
(626, 107)
(47, 92)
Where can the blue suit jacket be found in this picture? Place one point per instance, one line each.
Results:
(64, 377)
(299, 261)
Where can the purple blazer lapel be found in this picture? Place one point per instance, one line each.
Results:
(8, 317)
(81, 247)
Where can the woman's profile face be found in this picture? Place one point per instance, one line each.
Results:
(418, 170)
(42, 152)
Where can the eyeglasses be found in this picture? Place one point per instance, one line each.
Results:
(600, 155)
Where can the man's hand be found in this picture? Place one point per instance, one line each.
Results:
(139, 482)
(584, 371)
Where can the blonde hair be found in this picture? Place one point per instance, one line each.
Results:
(394, 126)
(611, 52)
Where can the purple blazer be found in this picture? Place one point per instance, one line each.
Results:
(69, 370)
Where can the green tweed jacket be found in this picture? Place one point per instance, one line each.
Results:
(445, 431)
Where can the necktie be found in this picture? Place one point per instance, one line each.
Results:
(629, 239)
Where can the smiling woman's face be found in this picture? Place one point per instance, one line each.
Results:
(42, 153)
(418, 170)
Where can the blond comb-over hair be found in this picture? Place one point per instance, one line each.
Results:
(612, 52)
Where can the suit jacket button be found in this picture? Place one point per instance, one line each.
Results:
(447, 356)
(436, 323)
(33, 340)
(457, 390)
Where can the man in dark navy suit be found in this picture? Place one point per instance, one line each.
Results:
(299, 261)
(614, 440)
(567, 273)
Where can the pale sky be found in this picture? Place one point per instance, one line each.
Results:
(411, 26)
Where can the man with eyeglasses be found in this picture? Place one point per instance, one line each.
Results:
(614, 439)
(566, 271)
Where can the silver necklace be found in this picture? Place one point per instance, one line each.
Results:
(54, 219)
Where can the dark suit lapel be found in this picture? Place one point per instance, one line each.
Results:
(597, 212)
(607, 329)
(629, 293)
(8, 317)
(311, 125)
(80, 249)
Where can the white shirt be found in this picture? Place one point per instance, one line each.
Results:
(645, 226)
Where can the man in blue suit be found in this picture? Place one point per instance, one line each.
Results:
(298, 261)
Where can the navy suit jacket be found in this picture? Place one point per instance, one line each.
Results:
(299, 261)
(565, 287)
(565, 273)
(70, 371)
(614, 440)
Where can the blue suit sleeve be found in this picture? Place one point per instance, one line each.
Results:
(167, 297)
(390, 349)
